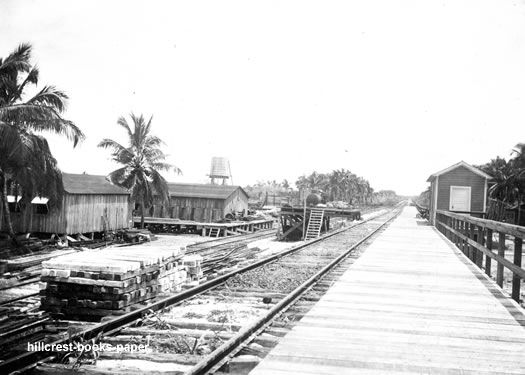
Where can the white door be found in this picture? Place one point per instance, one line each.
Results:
(460, 198)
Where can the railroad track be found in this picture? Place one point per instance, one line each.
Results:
(206, 339)
(220, 247)
(226, 242)
(19, 306)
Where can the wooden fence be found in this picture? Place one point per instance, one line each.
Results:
(474, 236)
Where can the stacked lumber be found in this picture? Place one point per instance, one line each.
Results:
(95, 283)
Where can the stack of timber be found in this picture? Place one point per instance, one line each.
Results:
(93, 284)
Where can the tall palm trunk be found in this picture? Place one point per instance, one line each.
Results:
(142, 213)
(5, 207)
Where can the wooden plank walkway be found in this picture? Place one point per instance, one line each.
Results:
(412, 303)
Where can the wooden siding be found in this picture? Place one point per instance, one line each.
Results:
(28, 221)
(79, 213)
(237, 201)
(433, 185)
(204, 210)
(197, 209)
(86, 213)
(461, 176)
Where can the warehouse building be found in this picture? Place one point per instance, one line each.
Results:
(90, 204)
(202, 202)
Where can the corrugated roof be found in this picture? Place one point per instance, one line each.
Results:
(202, 190)
(457, 165)
(89, 184)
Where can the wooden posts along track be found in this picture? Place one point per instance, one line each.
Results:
(474, 237)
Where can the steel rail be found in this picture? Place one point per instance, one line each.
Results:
(19, 298)
(22, 283)
(25, 327)
(217, 358)
(26, 360)
(267, 232)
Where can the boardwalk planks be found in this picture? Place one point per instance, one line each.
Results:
(412, 303)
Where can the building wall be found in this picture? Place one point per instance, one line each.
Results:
(197, 209)
(96, 213)
(236, 202)
(203, 210)
(433, 190)
(461, 176)
(79, 213)
(27, 221)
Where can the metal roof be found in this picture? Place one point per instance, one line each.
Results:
(202, 190)
(90, 184)
(457, 165)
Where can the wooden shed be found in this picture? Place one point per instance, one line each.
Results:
(202, 202)
(459, 188)
(90, 204)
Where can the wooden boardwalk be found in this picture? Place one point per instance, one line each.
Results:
(412, 303)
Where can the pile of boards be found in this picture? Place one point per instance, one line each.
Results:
(95, 283)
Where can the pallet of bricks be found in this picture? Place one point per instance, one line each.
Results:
(96, 283)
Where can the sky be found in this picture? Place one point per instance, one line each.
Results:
(393, 90)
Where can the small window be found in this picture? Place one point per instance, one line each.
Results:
(40, 206)
(14, 207)
(40, 209)
(13, 204)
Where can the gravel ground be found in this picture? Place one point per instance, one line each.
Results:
(274, 277)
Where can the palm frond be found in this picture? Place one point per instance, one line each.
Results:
(122, 122)
(159, 184)
(18, 60)
(32, 78)
(49, 96)
(119, 176)
(41, 119)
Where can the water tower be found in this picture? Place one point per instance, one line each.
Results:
(220, 170)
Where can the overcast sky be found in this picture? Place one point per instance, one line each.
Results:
(392, 90)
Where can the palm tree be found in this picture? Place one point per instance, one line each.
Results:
(508, 190)
(26, 162)
(142, 160)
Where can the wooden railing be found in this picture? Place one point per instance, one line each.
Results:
(474, 237)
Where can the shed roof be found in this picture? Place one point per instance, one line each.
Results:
(90, 184)
(202, 190)
(457, 165)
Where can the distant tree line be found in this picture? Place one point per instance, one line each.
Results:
(338, 185)
(341, 186)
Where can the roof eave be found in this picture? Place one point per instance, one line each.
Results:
(461, 164)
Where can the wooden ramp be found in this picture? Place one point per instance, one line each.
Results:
(412, 303)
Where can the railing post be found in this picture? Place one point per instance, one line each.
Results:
(488, 260)
(480, 240)
(472, 249)
(454, 237)
(516, 281)
(501, 253)
(467, 235)
(464, 246)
